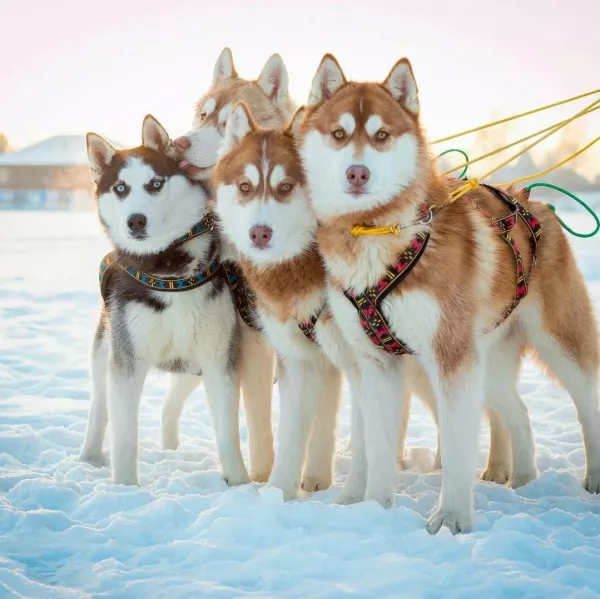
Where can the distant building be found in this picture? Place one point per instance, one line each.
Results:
(53, 174)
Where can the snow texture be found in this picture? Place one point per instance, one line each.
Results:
(66, 531)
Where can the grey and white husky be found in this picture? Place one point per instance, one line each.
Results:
(155, 217)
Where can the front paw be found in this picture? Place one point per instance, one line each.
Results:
(384, 497)
(496, 473)
(234, 479)
(290, 489)
(313, 483)
(456, 521)
(98, 460)
(129, 479)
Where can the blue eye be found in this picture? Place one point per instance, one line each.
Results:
(120, 188)
(157, 184)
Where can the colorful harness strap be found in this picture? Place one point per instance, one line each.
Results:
(368, 303)
(308, 326)
(242, 294)
(172, 284)
(504, 226)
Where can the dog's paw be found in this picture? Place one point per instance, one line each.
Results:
(385, 498)
(455, 521)
(234, 480)
(98, 460)
(311, 484)
(591, 482)
(496, 473)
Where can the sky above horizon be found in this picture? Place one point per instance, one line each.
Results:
(72, 66)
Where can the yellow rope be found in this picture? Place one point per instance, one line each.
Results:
(510, 145)
(474, 183)
(515, 117)
(557, 165)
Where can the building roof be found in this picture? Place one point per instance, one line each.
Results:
(60, 150)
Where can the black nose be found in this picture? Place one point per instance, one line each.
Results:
(136, 222)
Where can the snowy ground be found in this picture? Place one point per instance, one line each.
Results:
(66, 531)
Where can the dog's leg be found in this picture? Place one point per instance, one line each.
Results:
(403, 427)
(459, 413)
(318, 472)
(125, 384)
(510, 427)
(91, 451)
(573, 357)
(498, 467)
(180, 388)
(221, 381)
(257, 368)
(356, 483)
(381, 396)
(299, 383)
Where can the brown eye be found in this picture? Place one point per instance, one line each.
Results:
(245, 187)
(381, 135)
(285, 188)
(202, 116)
(339, 134)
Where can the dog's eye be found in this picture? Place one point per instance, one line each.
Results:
(157, 183)
(339, 134)
(285, 188)
(245, 187)
(120, 189)
(203, 115)
(381, 135)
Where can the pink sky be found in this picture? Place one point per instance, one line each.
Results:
(70, 66)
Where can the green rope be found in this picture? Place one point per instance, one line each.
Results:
(465, 168)
(578, 200)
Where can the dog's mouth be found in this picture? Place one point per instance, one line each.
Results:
(192, 170)
(139, 235)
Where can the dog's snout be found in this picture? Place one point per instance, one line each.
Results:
(137, 222)
(183, 143)
(358, 175)
(260, 235)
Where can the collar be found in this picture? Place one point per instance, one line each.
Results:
(393, 229)
(196, 279)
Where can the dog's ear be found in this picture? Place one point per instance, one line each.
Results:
(293, 128)
(274, 79)
(402, 85)
(224, 68)
(327, 80)
(156, 138)
(239, 125)
(100, 154)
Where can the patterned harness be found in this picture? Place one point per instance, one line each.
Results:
(368, 303)
(241, 293)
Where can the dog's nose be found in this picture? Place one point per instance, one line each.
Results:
(261, 235)
(183, 143)
(137, 222)
(358, 175)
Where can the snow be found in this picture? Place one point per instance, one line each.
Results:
(60, 150)
(66, 531)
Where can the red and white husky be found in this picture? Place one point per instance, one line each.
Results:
(367, 163)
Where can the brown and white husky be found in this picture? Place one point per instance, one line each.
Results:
(367, 163)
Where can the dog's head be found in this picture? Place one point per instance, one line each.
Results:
(260, 190)
(267, 98)
(361, 143)
(145, 201)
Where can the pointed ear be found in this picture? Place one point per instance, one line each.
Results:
(293, 128)
(328, 79)
(274, 78)
(156, 138)
(100, 154)
(402, 85)
(224, 68)
(239, 125)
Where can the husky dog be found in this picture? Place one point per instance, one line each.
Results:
(368, 165)
(267, 98)
(154, 216)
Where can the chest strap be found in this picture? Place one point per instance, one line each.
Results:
(308, 326)
(242, 294)
(368, 303)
